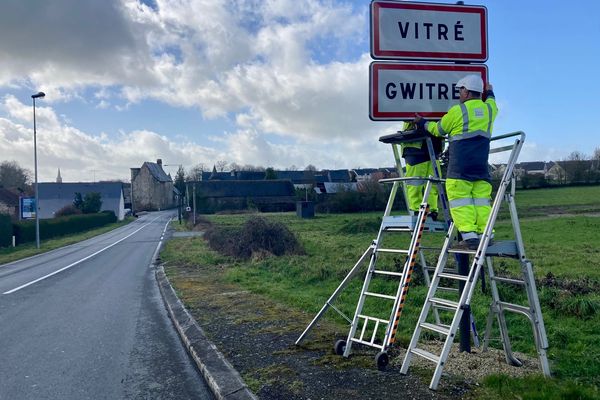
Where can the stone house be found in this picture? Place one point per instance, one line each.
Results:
(151, 188)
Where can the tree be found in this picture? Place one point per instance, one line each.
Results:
(221, 165)
(180, 180)
(13, 176)
(196, 171)
(270, 173)
(88, 204)
(92, 203)
(310, 167)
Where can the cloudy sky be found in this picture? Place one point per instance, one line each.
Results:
(278, 83)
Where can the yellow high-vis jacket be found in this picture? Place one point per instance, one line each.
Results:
(468, 127)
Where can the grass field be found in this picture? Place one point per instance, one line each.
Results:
(564, 249)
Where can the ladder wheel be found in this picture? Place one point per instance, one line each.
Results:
(340, 347)
(382, 360)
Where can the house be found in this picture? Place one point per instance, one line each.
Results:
(151, 188)
(54, 196)
(9, 203)
(300, 179)
(265, 195)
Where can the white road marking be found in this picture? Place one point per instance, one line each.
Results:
(80, 261)
(159, 243)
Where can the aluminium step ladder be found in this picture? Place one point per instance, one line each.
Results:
(483, 254)
(413, 224)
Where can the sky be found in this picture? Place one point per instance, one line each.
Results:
(274, 83)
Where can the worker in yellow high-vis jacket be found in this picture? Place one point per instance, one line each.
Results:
(468, 126)
(418, 163)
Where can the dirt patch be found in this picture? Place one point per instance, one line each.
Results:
(257, 336)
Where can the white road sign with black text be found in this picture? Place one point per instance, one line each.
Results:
(399, 90)
(426, 31)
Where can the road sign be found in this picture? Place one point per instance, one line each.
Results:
(399, 90)
(27, 207)
(425, 31)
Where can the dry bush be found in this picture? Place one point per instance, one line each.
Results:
(257, 238)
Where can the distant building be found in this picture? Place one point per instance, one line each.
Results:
(151, 188)
(58, 177)
(264, 195)
(54, 196)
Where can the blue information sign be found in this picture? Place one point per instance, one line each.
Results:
(27, 207)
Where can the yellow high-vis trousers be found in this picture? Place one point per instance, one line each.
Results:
(469, 205)
(415, 190)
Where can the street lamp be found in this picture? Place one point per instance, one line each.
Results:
(37, 206)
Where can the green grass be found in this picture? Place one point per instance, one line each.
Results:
(564, 251)
(10, 254)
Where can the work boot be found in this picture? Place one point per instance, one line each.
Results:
(468, 244)
(433, 215)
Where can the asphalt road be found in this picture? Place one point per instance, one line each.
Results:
(87, 322)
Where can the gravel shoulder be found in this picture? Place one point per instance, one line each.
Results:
(257, 337)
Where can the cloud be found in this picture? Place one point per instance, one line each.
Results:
(80, 155)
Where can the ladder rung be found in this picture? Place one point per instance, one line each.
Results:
(453, 276)
(383, 296)
(372, 344)
(444, 302)
(462, 251)
(442, 307)
(436, 328)
(425, 354)
(390, 229)
(448, 271)
(373, 318)
(381, 272)
(392, 251)
(508, 280)
(448, 289)
(515, 308)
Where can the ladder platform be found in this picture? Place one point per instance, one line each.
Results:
(507, 248)
(407, 223)
(405, 137)
(436, 328)
(425, 354)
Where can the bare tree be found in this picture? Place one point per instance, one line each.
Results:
(310, 167)
(13, 176)
(292, 168)
(196, 171)
(221, 165)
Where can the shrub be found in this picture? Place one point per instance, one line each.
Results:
(49, 228)
(67, 210)
(258, 236)
(5, 230)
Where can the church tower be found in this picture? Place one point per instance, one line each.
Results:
(58, 177)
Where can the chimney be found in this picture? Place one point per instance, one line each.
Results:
(159, 162)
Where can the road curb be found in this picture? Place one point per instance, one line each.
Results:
(224, 381)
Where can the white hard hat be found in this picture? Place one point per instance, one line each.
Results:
(471, 82)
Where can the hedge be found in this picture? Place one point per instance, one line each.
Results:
(50, 228)
(5, 230)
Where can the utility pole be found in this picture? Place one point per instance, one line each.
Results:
(194, 203)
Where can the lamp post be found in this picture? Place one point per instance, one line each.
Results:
(180, 199)
(37, 198)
